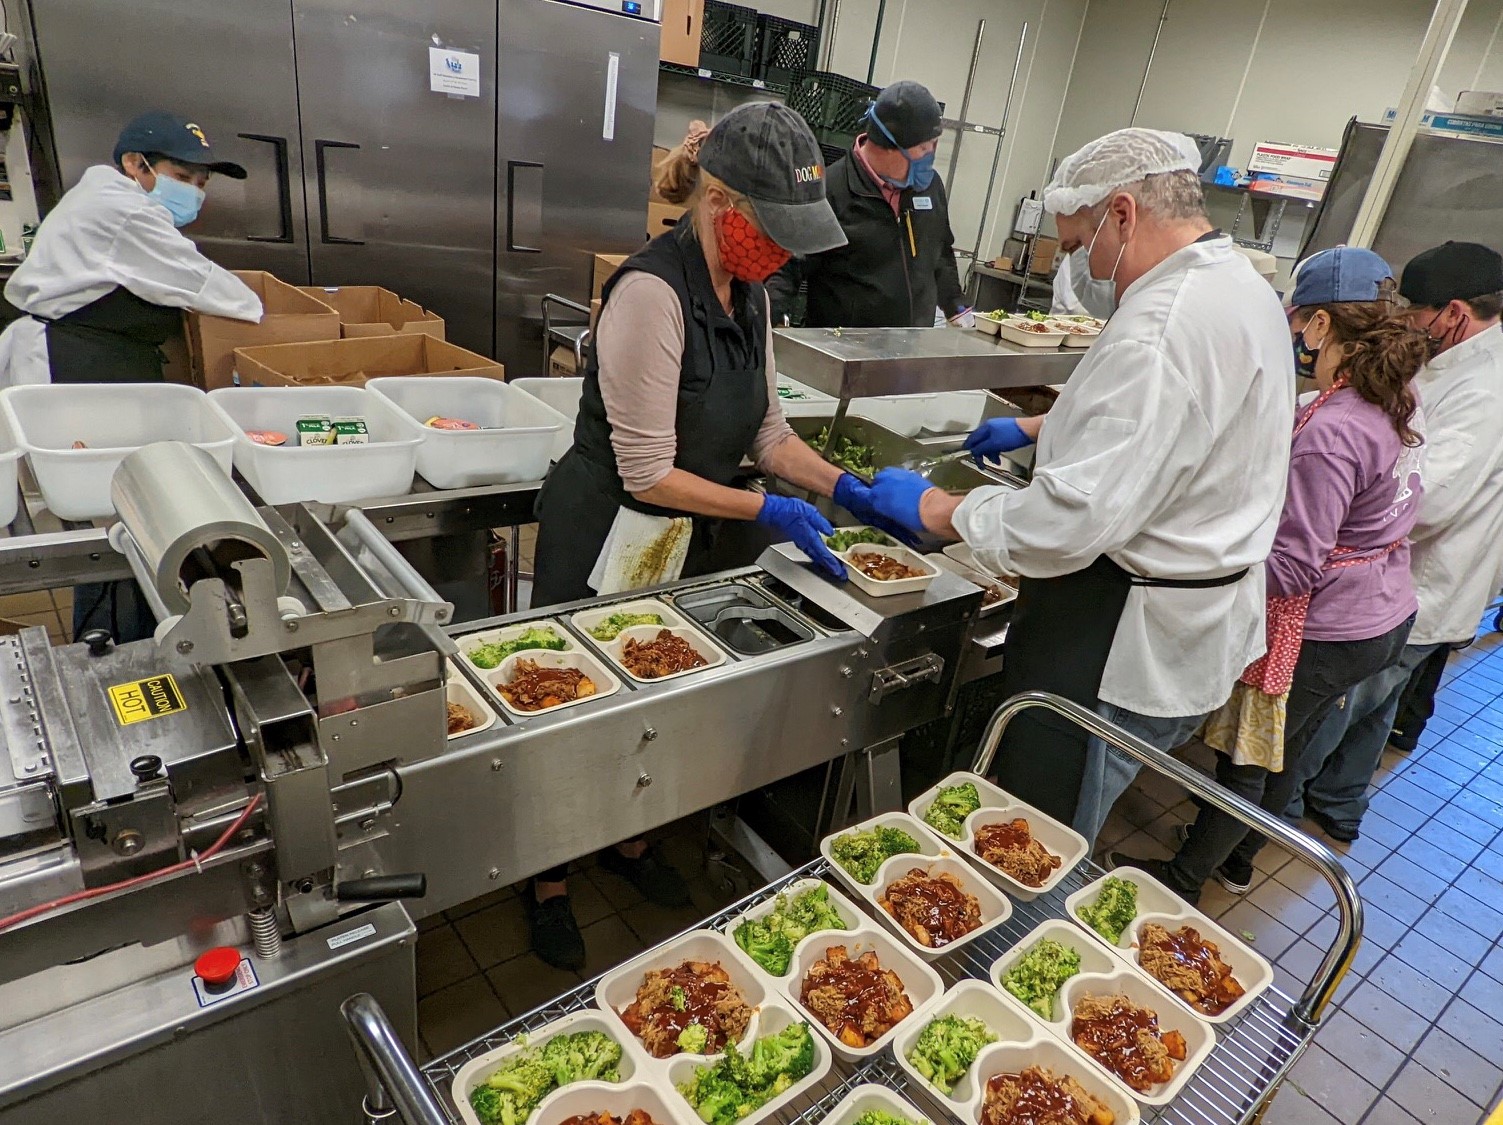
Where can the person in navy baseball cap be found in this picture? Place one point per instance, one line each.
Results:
(176, 138)
(1346, 273)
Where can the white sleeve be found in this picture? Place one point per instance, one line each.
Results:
(1139, 432)
(1066, 301)
(158, 264)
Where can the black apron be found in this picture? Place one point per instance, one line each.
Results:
(115, 339)
(722, 400)
(1059, 640)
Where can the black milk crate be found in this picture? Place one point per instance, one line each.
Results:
(728, 43)
(786, 49)
(834, 106)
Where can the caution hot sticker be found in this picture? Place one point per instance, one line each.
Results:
(150, 698)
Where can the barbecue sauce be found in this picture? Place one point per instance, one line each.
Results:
(701, 996)
(861, 990)
(1189, 950)
(943, 910)
(1041, 1101)
(1112, 1040)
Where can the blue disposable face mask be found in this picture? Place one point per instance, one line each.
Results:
(1099, 294)
(183, 201)
(920, 169)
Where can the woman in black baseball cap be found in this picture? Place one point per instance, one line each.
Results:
(680, 390)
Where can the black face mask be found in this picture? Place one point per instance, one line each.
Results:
(1439, 344)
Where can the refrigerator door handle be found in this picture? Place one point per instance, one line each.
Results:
(511, 206)
(284, 187)
(323, 193)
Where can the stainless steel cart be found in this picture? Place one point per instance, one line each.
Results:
(1253, 1053)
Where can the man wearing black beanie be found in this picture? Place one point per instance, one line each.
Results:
(898, 266)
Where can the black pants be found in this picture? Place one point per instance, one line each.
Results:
(1324, 672)
(1417, 704)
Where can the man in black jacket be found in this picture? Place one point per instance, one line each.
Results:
(899, 264)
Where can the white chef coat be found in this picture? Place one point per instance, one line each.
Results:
(1457, 553)
(1168, 451)
(105, 233)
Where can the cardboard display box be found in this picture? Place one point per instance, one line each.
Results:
(349, 363)
(1045, 250)
(605, 265)
(369, 310)
(289, 316)
(662, 217)
(683, 24)
(561, 363)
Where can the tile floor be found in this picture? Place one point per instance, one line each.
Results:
(50, 608)
(1415, 1034)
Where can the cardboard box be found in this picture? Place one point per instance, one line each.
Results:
(659, 154)
(288, 316)
(1301, 162)
(369, 310)
(595, 312)
(683, 24)
(561, 363)
(605, 265)
(1045, 250)
(349, 363)
(662, 217)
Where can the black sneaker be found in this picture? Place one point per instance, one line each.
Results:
(1232, 877)
(658, 881)
(1158, 868)
(555, 933)
(1343, 833)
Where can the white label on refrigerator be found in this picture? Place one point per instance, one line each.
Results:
(456, 73)
(612, 79)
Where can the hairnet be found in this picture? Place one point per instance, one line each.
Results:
(1109, 163)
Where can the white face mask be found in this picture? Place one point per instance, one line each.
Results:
(1100, 295)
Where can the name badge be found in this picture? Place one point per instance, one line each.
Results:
(923, 203)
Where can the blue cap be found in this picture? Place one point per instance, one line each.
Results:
(174, 137)
(1347, 273)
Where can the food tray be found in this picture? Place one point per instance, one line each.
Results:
(1009, 331)
(995, 909)
(988, 324)
(927, 846)
(1199, 1038)
(713, 656)
(114, 420)
(515, 441)
(849, 913)
(511, 633)
(997, 805)
(606, 682)
(870, 1096)
(618, 988)
(1156, 903)
(457, 689)
(10, 484)
(584, 622)
(1094, 958)
(480, 1067)
(773, 1018)
(618, 1100)
(1043, 1049)
(334, 474)
(921, 983)
(1075, 339)
(976, 578)
(974, 999)
(882, 589)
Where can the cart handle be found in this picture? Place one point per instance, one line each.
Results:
(391, 1077)
(1338, 959)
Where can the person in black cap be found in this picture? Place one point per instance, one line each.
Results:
(898, 266)
(1455, 295)
(680, 389)
(104, 286)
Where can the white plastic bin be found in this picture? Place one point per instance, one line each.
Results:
(563, 396)
(10, 458)
(112, 420)
(515, 442)
(337, 474)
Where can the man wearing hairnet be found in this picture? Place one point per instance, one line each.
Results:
(1158, 483)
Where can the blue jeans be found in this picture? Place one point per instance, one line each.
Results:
(1335, 785)
(1108, 772)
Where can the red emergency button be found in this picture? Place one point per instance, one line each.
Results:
(216, 967)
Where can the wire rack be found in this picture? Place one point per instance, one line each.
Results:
(1252, 1054)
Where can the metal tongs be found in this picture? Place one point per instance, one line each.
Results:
(923, 466)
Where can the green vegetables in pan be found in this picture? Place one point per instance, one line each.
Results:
(849, 536)
(946, 1049)
(861, 853)
(491, 654)
(736, 1085)
(516, 1087)
(1113, 909)
(1039, 974)
(846, 453)
(950, 807)
(617, 623)
(769, 940)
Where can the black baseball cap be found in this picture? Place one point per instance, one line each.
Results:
(767, 153)
(906, 115)
(1456, 271)
(176, 138)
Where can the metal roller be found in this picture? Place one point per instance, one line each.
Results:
(189, 520)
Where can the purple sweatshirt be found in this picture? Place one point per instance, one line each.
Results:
(1352, 483)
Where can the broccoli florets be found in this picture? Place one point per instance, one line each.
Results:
(861, 853)
(790, 1052)
(612, 626)
(486, 1102)
(694, 1039)
(765, 944)
(492, 653)
(951, 806)
(1040, 973)
(947, 1047)
(735, 1084)
(678, 998)
(769, 940)
(514, 1090)
(882, 1117)
(1113, 910)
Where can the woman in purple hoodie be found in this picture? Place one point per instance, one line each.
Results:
(1340, 598)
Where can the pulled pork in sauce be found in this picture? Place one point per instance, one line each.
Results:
(664, 655)
(1012, 848)
(695, 992)
(858, 1000)
(1125, 1038)
(534, 688)
(935, 909)
(635, 1117)
(460, 718)
(1190, 966)
(884, 568)
(1038, 1096)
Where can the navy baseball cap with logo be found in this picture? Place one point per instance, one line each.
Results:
(766, 152)
(176, 138)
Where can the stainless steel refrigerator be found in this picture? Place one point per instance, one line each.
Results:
(470, 154)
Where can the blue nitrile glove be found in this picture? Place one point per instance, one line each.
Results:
(895, 494)
(803, 524)
(855, 496)
(995, 437)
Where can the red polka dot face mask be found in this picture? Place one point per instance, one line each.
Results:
(746, 253)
